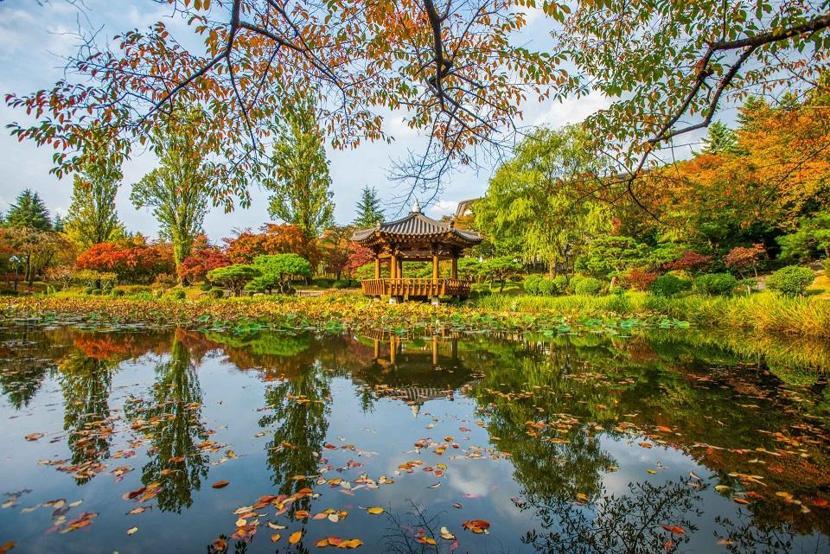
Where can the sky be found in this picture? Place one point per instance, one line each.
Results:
(35, 37)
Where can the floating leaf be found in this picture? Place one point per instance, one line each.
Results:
(295, 537)
(132, 530)
(375, 510)
(220, 484)
(31, 437)
(477, 526)
(446, 535)
(6, 546)
(275, 537)
(673, 529)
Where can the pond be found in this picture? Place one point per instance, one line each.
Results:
(143, 440)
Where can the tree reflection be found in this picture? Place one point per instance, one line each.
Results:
(85, 383)
(630, 523)
(300, 409)
(171, 419)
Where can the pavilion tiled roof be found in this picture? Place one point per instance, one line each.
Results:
(416, 225)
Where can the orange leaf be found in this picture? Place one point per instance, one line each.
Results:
(295, 537)
(220, 484)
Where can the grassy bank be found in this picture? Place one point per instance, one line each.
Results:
(763, 312)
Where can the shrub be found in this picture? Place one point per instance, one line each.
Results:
(234, 276)
(179, 294)
(216, 292)
(205, 286)
(342, 284)
(165, 280)
(96, 292)
(88, 290)
(716, 283)
(690, 261)
(826, 265)
(531, 284)
(587, 286)
(118, 292)
(792, 280)
(542, 286)
(669, 285)
(640, 279)
(323, 283)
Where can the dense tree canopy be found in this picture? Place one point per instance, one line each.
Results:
(538, 197)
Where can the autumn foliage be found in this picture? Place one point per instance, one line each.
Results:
(272, 239)
(137, 262)
(204, 258)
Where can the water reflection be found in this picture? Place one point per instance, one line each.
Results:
(170, 420)
(658, 441)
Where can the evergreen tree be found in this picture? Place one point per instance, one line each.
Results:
(59, 223)
(300, 177)
(369, 212)
(720, 140)
(29, 211)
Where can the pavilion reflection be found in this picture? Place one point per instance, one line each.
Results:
(414, 371)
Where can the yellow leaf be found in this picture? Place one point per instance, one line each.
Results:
(275, 537)
(375, 510)
(295, 537)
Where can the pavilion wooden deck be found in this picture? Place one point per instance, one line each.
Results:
(416, 288)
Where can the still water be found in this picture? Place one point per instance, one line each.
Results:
(139, 440)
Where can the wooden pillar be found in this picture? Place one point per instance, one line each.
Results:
(435, 268)
(393, 266)
(393, 350)
(399, 272)
(454, 267)
(377, 266)
(377, 349)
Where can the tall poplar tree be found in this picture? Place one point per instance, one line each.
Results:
(179, 190)
(299, 172)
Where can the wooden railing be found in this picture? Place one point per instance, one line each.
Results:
(412, 287)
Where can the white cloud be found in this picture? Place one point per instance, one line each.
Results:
(443, 207)
(571, 110)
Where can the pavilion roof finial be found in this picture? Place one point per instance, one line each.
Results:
(416, 207)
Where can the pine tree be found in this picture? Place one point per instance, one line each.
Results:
(369, 212)
(720, 140)
(29, 211)
(58, 223)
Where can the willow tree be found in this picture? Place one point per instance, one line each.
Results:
(538, 198)
(180, 189)
(299, 172)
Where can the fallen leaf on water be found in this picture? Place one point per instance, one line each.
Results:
(820, 503)
(219, 545)
(136, 511)
(6, 546)
(132, 530)
(220, 484)
(276, 526)
(426, 540)
(275, 537)
(350, 544)
(722, 488)
(673, 529)
(446, 535)
(31, 437)
(457, 505)
(295, 537)
(581, 497)
(375, 510)
(477, 526)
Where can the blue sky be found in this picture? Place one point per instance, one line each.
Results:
(34, 38)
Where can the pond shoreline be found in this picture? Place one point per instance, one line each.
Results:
(764, 314)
